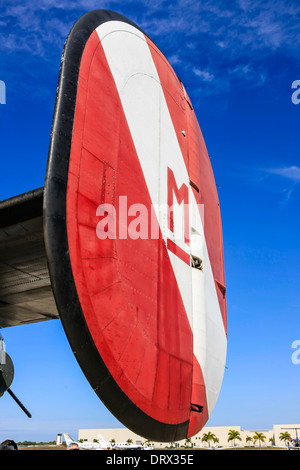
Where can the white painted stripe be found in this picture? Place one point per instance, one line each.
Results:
(156, 143)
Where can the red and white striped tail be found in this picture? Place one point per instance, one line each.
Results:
(144, 233)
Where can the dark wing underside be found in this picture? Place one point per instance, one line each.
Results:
(25, 289)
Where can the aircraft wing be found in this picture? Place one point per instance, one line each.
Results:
(25, 290)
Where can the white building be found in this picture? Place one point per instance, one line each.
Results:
(220, 432)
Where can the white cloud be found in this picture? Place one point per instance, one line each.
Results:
(174, 59)
(247, 72)
(291, 173)
(289, 179)
(203, 74)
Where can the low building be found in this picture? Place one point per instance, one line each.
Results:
(221, 433)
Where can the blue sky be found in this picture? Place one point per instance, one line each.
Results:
(238, 61)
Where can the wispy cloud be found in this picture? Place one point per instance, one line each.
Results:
(247, 73)
(203, 74)
(292, 173)
(229, 41)
(238, 26)
(290, 176)
(215, 41)
(174, 59)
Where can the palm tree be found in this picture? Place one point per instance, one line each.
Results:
(129, 441)
(216, 439)
(207, 437)
(188, 442)
(249, 439)
(285, 436)
(233, 435)
(260, 437)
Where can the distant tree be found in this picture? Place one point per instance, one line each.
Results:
(129, 441)
(28, 443)
(260, 437)
(249, 439)
(285, 436)
(233, 435)
(188, 442)
(207, 437)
